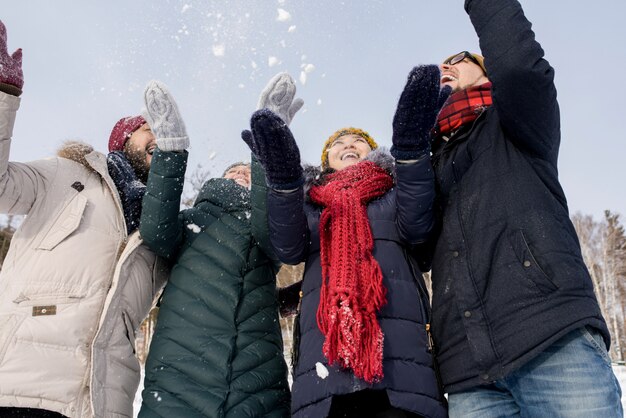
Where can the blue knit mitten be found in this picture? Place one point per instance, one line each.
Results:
(416, 115)
(273, 144)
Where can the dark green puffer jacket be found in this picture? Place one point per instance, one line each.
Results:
(217, 349)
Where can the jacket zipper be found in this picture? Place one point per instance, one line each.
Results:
(118, 256)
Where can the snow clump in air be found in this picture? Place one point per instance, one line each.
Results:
(272, 61)
(283, 15)
(219, 50)
(306, 69)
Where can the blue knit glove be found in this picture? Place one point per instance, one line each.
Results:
(416, 115)
(273, 144)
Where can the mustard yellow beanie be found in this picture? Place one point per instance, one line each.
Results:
(342, 132)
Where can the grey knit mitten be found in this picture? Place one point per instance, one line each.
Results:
(164, 118)
(278, 96)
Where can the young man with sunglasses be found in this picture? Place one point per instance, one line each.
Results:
(517, 326)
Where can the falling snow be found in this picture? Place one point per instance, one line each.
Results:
(219, 50)
(283, 15)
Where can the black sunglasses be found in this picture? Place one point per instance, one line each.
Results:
(455, 59)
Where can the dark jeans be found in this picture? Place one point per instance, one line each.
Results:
(28, 413)
(366, 404)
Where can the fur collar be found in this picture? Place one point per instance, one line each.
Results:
(313, 175)
(76, 151)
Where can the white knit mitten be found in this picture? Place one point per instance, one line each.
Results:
(164, 119)
(278, 97)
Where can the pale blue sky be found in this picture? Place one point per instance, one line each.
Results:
(86, 64)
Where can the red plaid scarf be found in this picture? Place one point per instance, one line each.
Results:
(463, 107)
(352, 283)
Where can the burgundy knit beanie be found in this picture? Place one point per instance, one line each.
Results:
(122, 131)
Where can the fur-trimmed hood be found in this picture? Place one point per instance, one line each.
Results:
(314, 175)
(76, 151)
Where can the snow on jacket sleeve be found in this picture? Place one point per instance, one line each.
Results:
(20, 183)
(415, 198)
(161, 225)
(523, 81)
(289, 232)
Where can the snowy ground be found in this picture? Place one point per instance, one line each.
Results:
(620, 372)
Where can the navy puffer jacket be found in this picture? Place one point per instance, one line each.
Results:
(508, 275)
(400, 218)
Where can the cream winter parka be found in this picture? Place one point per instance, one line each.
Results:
(74, 287)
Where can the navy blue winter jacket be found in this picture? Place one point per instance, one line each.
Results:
(508, 275)
(403, 216)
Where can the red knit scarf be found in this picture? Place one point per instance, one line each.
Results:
(352, 283)
(463, 107)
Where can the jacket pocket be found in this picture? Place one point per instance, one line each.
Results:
(596, 341)
(65, 223)
(8, 326)
(48, 299)
(529, 263)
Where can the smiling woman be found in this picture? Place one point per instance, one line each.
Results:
(346, 147)
(355, 221)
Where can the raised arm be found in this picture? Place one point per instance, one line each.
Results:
(276, 149)
(11, 74)
(258, 198)
(278, 157)
(523, 81)
(161, 226)
(20, 184)
(279, 97)
(413, 122)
